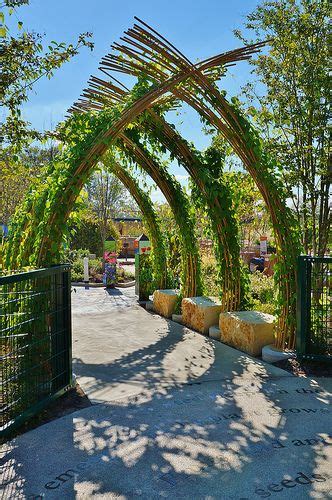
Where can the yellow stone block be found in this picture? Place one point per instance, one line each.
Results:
(164, 302)
(248, 331)
(200, 313)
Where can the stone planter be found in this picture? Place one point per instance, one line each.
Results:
(164, 302)
(200, 313)
(248, 331)
(271, 354)
(125, 284)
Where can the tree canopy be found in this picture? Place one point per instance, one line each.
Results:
(289, 101)
(24, 61)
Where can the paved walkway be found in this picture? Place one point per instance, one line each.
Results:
(176, 415)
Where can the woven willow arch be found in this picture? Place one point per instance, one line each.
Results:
(179, 204)
(173, 78)
(221, 214)
(101, 94)
(150, 219)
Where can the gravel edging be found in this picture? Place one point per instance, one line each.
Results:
(305, 368)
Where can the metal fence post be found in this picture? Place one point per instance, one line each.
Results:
(303, 304)
(68, 321)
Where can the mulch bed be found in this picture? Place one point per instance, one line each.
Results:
(306, 368)
(71, 401)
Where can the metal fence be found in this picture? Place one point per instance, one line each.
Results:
(314, 308)
(35, 349)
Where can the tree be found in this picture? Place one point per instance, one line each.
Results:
(248, 205)
(24, 61)
(85, 233)
(17, 176)
(292, 106)
(108, 198)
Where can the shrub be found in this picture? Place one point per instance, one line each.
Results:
(209, 275)
(264, 308)
(96, 266)
(129, 274)
(71, 256)
(262, 288)
(75, 257)
(77, 270)
(96, 270)
(120, 272)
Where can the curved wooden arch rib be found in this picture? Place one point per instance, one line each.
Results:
(176, 199)
(227, 122)
(224, 226)
(151, 218)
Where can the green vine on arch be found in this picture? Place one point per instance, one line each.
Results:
(184, 214)
(150, 219)
(216, 202)
(212, 194)
(52, 200)
(288, 241)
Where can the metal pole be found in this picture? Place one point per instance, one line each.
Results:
(303, 307)
(86, 270)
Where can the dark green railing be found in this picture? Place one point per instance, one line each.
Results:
(314, 308)
(35, 349)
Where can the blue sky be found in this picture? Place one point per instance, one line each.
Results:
(198, 28)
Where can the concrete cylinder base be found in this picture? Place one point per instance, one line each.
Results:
(177, 318)
(271, 354)
(214, 332)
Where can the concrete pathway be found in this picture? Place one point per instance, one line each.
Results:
(176, 415)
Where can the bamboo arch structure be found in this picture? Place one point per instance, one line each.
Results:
(174, 78)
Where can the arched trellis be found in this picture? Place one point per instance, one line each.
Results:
(222, 217)
(146, 52)
(224, 225)
(179, 203)
(167, 68)
(150, 219)
(99, 132)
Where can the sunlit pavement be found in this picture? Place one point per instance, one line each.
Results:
(175, 415)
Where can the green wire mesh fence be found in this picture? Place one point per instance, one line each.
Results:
(35, 346)
(314, 308)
